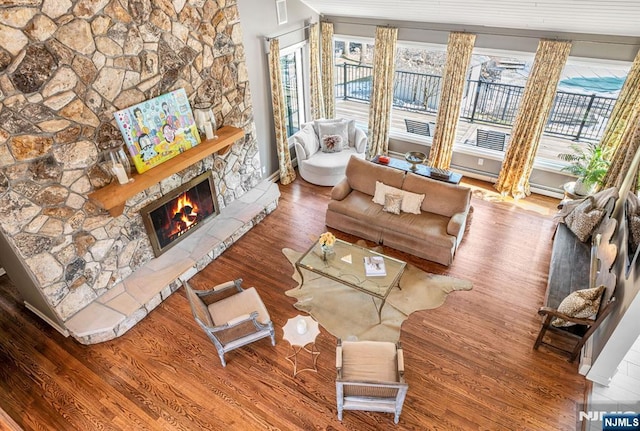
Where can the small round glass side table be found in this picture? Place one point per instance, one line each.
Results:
(301, 331)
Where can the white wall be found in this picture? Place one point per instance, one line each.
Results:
(259, 20)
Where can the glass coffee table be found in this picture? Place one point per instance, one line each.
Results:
(346, 265)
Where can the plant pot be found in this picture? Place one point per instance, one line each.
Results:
(582, 189)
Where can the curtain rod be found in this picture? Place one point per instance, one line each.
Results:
(269, 38)
(626, 42)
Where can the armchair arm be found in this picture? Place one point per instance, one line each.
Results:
(456, 224)
(301, 154)
(400, 354)
(243, 318)
(339, 358)
(340, 190)
(360, 139)
(548, 311)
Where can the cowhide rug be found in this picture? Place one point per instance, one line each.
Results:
(349, 314)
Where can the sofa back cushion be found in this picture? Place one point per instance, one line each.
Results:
(363, 174)
(440, 197)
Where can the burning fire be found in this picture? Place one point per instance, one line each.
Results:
(185, 214)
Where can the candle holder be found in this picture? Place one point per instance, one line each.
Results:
(118, 165)
(205, 119)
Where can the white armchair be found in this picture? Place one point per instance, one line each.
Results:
(323, 148)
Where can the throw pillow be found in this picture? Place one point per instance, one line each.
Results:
(392, 203)
(411, 202)
(308, 139)
(582, 304)
(381, 190)
(339, 127)
(331, 143)
(584, 218)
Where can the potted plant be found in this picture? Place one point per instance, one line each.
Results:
(588, 163)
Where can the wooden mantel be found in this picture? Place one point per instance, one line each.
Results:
(114, 196)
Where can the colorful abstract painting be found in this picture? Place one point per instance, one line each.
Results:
(158, 129)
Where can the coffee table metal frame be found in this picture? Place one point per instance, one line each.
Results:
(353, 274)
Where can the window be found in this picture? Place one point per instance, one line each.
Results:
(291, 66)
(585, 97)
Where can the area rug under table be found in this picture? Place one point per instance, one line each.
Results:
(349, 314)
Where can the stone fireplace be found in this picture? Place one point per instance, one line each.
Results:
(65, 68)
(174, 216)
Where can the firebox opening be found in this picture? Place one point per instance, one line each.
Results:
(171, 218)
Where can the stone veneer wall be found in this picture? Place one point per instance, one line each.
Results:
(65, 68)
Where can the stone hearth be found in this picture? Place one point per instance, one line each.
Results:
(65, 68)
(115, 312)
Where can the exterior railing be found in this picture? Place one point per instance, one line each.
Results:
(577, 116)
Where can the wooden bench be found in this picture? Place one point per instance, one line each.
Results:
(576, 265)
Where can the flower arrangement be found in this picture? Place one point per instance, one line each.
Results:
(327, 239)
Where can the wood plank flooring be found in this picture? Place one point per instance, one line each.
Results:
(469, 364)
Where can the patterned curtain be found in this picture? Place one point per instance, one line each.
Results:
(287, 173)
(459, 49)
(317, 102)
(384, 55)
(626, 112)
(622, 159)
(328, 82)
(532, 117)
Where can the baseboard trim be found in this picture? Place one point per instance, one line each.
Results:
(46, 319)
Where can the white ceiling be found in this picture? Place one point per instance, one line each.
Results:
(605, 17)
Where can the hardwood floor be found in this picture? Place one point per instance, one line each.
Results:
(469, 364)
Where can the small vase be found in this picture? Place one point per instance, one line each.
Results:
(581, 189)
(301, 326)
(326, 251)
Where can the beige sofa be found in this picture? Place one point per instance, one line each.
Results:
(434, 234)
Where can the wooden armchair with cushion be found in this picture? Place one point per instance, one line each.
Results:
(370, 377)
(233, 317)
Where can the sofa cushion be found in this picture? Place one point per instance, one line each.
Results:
(329, 163)
(440, 197)
(429, 227)
(363, 174)
(308, 139)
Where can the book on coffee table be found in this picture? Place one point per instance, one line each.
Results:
(374, 266)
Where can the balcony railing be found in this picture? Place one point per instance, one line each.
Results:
(576, 116)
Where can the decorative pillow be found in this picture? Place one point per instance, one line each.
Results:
(584, 218)
(381, 190)
(392, 203)
(308, 139)
(331, 143)
(333, 127)
(634, 231)
(582, 304)
(411, 202)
